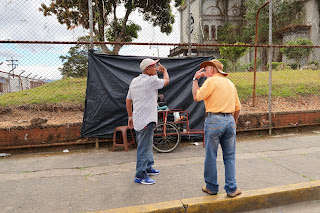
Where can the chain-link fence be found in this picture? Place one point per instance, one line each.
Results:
(43, 41)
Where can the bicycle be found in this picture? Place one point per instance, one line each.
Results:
(167, 133)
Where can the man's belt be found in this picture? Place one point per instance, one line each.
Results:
(218, 113)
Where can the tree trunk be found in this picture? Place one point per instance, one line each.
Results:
(117, 47)
(101, 23)
(105, 49)
(264, 59)
(121, 36)
(234, 66)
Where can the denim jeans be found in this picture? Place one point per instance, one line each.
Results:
(144, 150)
(220, 129)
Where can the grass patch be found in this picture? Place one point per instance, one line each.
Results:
(68, 90)
(285, 83)
(25, 172)
(87, 176)
(81, 168)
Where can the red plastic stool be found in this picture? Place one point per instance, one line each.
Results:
(123, 138)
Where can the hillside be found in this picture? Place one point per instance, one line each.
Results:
(63, 101)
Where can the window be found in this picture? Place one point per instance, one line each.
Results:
(206, 32)
(213, 32)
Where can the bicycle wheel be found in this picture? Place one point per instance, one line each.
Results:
(166, 141)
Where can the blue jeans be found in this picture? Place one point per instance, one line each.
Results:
(144, 150)
(220, 129)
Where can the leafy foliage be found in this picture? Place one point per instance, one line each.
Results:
(297, 53)
(113, 32)
(233, 53)
(225, 63)
(284, 14)
(75, 63)
(276, 65)
(229, 33)
(131, 31)
(75, 13)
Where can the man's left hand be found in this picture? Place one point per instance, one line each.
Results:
(130, 123)
(199, 74)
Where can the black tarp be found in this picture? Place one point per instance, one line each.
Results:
(109, 77)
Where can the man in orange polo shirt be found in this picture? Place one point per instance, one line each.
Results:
(222, 109)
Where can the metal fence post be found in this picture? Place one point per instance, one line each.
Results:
(189, 29)
(90, 22)
(255, 55)
(270, 67)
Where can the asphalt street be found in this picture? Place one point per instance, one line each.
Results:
(92, 180)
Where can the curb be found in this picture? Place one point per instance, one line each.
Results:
(247, 201)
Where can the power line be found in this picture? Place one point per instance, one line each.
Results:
(12, 64)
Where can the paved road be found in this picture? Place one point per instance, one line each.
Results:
(81, 181)
(303, 207)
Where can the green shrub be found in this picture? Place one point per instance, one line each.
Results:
(293, 66)
(244, 67)
(297, 53)
(314, 62)
(275, 65)
(247, 67)
(225, 63)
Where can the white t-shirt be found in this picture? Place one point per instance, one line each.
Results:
(143, 91)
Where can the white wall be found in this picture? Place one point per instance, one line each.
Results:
(194, 10)
(312, 18)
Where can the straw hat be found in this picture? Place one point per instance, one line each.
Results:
(215, 63)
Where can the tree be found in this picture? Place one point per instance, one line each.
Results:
(75, 13)
(75, 63)
(284, 14)
(297, 53)
(233, 53)
(112, 33)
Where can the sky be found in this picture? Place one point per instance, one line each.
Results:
(21, 20)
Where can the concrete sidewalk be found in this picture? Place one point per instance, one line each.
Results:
(276, 167)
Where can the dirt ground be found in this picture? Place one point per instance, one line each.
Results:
(61, 114)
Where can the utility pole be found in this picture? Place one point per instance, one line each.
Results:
(12, 64)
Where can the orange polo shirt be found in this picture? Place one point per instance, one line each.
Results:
(219, 95)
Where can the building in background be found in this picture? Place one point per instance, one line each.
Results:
(209, 16)
(308, 28)
(14, 83)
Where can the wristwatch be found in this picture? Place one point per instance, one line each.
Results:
(195, 79)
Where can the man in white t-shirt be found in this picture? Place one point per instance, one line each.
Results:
(143, 95)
